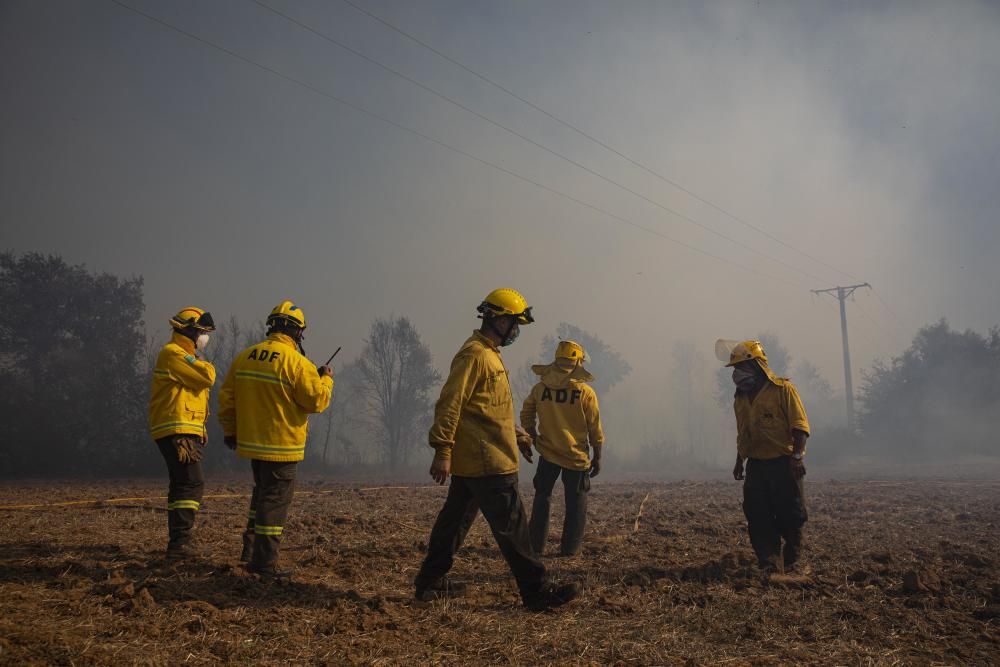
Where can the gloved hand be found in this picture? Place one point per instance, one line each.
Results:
(189, 449)
(595, 467)
(230, 441)
(738, 468)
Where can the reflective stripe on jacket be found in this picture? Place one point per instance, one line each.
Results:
(178, 396)
(474, 416)
(266, 399)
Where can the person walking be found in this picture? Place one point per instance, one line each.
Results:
(476, 444)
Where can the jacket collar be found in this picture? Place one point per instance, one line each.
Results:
(478, 335)
(775, 380)
(552, 376)
(183, 341)
(283, 338)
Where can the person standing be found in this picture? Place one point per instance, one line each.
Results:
(567, 414)
(772, 429)
(269, 392)
(178, 407)
(475, 442)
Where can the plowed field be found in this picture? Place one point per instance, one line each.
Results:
(903, 573)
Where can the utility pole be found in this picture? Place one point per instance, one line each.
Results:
(842, 293)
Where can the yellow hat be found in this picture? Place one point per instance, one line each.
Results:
(566, 349)
(734, 352)
(570, 349)
(505, 301)
(193, 318)
(287, 312)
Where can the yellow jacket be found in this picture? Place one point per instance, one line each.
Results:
(569, 420)
(764, 426)
(266, 399)
(474, 416)
(178, 397)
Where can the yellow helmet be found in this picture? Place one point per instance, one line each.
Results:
(505, 301)
(287, 312)
(193, 318)
(736, 352)
(569, 349)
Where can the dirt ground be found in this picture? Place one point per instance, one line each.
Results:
(905, 572)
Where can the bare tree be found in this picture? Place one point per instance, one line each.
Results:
(397, 377)
(343, 423)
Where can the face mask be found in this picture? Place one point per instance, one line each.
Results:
(202, 342)
(511, 336)
(512, 333)
(744, 380)
(565, 365)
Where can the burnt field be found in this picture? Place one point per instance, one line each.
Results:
(903, 572)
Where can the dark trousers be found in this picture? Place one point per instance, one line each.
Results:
(774, 504)
(497, 498)
(184, 495)
(576, 484)
(274, 487)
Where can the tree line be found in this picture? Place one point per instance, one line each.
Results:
(75, 363)
(76, 367)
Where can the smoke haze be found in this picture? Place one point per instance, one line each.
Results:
(865, 136)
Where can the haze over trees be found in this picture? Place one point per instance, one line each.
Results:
(608, 365)
(71, 369)
(398, 378)
(77, 357)
(939, 399)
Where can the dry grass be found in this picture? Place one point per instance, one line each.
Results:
(904, 572)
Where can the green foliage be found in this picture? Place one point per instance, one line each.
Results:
(939, 399)
(71, 377)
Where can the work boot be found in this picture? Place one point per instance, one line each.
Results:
(766, 570)
(551, 596)
(270, 573)
(183, 551)
(801, 569)
(440, 589)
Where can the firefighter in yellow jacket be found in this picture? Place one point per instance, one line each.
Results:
(264, 405)
(771, 433)
(178, 406)
(564, 408)
(476, 442)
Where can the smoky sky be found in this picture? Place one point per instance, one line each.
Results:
(864, 135)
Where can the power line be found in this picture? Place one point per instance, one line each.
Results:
(594, 139)
(438, 142)
(887, 308)
(529, 140)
